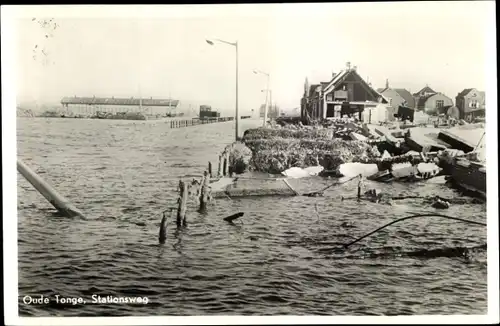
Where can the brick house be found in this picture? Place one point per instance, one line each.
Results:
(470, 103)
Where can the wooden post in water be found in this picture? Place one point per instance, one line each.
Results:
(210, 169)
(204, 192)
(360, 183)
(57, 200)
(163, 229)
(228, 165)
(219, 167)
(224, 166)
(182, 202)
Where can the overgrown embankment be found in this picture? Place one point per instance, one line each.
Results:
(275, 150)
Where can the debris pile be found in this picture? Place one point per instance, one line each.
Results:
(281, 149)
(239, 158)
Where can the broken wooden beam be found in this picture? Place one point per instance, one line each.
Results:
(290, 187)
(231, 218)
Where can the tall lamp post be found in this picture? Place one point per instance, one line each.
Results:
(267, 91)
(235, 44)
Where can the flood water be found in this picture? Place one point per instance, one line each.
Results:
(279, 258)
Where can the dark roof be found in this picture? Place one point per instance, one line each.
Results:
(410, 100)
(465, 92)
(340, 77)
(119, 101)
(425, 89)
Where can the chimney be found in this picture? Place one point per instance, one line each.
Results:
(387, 83)
(333, 75)
(354, 68)
(348, 65)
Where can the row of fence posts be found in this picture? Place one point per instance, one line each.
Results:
(196, 122)
(204, 193)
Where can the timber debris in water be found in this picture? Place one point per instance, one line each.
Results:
(411, 217)
(233, 217)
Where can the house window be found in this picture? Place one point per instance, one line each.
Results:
(439, 104)
(473, 104)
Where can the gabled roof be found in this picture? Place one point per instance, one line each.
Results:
(465, 92)
(119, 101)
(340, 78)
(426, 89)
(406, 95)
(335, 80)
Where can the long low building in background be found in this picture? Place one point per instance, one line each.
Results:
(92, 105)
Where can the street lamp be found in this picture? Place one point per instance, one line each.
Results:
(235, 44)
(267, 91)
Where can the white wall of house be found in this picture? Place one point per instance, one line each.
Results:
(380, 113)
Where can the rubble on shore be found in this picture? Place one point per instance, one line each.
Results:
(280, 149)
(346, 148)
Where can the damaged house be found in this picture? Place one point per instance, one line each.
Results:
(346, 94)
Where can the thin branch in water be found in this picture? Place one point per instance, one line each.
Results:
(316, 209)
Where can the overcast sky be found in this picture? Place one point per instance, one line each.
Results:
(161, 52)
